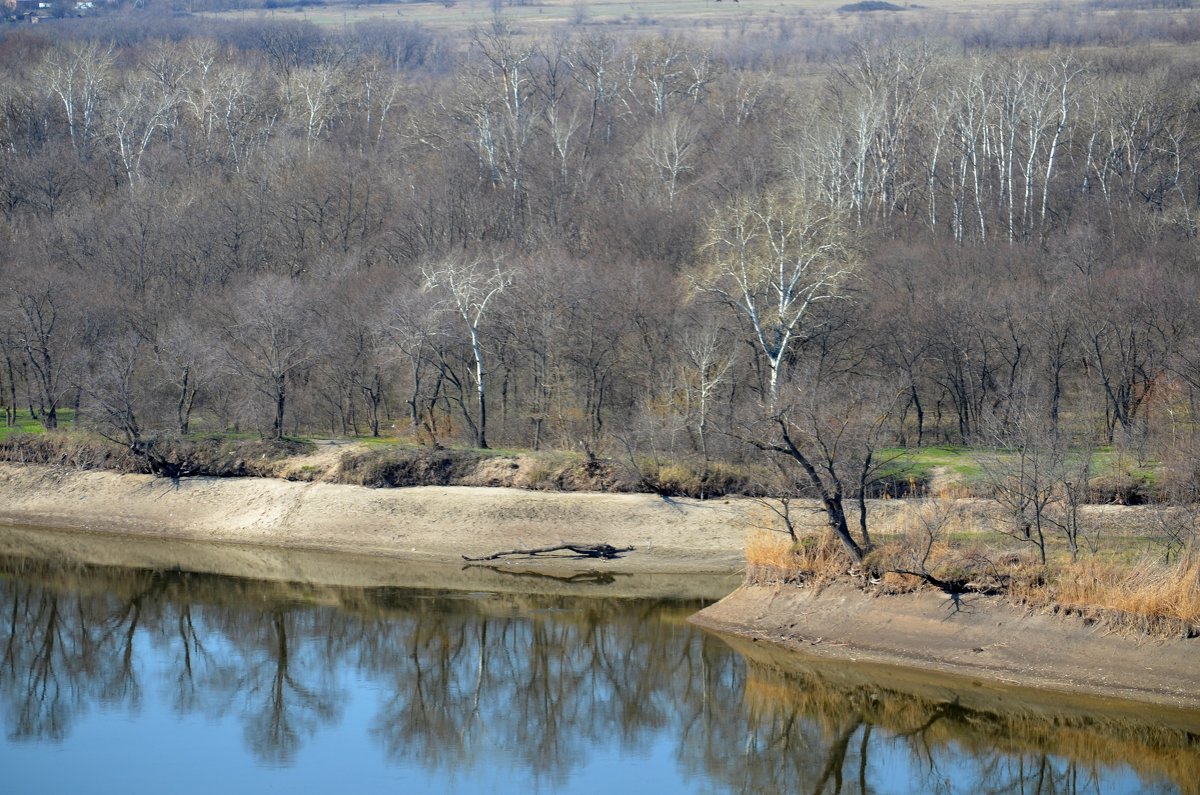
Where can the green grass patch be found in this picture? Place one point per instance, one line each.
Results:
(27, 424)
(1110, 461)
(912, 469)
(1116, 476)
(922, 461)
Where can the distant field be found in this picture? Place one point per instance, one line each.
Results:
(715, 17)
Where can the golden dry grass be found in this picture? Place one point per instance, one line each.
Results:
(944, 538)
(1149, 596)
(773, 558)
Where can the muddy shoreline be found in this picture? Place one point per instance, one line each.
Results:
(322, 568)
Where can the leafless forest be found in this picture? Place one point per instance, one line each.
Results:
(701, 248)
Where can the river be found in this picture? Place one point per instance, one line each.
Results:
(161, 680)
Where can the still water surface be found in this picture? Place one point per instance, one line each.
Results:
(121, 680)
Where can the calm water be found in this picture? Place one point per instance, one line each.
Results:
(118, 680)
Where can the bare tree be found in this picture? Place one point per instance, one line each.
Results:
(468, 288)
(8, 394)
(78, 76)
(42, 334)
(498, 102)
(187, 362)
(771, 259)
(831, 429)
(318, 96)
(1039, 476)
(669, 147)
(268, 339)
(112, 387)
(141, 109)
(707, 367)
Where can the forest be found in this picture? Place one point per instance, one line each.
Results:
(816, 247)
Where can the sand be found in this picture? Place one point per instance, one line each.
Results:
(416, 537)
(270, 528)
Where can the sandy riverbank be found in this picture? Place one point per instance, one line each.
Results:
(415, 537)
(392, 535)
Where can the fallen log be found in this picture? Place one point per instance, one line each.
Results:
(601, 551)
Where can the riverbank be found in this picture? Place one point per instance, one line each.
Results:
(426, 528)
(974, 639)
(335, 534)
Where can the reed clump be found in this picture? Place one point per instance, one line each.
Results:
(1149, 596)
(813, 558)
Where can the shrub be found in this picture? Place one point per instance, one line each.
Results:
(68, 449)
(815, 558)
(689, 478)
(384, 467)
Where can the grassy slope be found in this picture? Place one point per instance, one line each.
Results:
(933, 470)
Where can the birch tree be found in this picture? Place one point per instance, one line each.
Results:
(669, 148)
(78, 76)
(135, 116)
(772, 259)
(498, 103)
(468, 289)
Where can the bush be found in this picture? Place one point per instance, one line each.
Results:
(1119, 489)
(390, 467)
(218, 457)
(686, 478)
(67, 449)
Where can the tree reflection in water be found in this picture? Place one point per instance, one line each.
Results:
(524, 682)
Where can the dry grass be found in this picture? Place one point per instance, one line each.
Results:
(1150, 596)
(773, 558)
(949, 540)
(698, 479)
(644, 17)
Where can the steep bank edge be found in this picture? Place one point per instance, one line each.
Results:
(984, 638)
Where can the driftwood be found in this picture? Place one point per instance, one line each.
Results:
(601, 551)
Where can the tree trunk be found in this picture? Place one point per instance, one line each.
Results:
(10, 409)
(183, 411)
(280, 404)
(481, 429)
(831, 499)
(920, 416)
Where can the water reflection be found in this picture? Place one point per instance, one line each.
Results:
(864, 732)
(533, 684)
